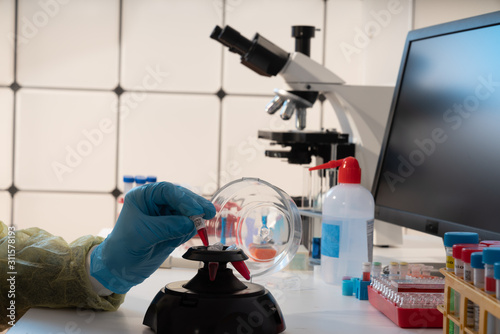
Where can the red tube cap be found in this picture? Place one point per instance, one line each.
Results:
(467, 252)
(457, 249)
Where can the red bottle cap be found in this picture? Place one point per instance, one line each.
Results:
(490, 242)
(467, 252)
(457, 249)
(349, 171)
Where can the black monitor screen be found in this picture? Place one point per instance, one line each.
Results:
(440, 163)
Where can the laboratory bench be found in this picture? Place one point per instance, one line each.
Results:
(308, 304)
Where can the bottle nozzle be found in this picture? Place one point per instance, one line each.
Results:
(349, 171)
(329, 164)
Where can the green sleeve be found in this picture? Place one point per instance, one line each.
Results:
(48, 272)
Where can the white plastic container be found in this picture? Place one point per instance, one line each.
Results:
(347, 224)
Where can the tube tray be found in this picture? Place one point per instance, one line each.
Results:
(405, 317)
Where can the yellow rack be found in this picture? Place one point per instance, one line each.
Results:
(487, 304)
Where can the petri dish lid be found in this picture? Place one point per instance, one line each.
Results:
(259, 218)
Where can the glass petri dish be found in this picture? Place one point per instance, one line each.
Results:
(259, 218)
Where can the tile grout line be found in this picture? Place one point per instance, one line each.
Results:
(140, 91)
(219, 144)
(118, 106)
(81, 192)
(323, 60)
(14, 107)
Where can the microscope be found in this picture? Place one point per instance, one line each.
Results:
(308, 81)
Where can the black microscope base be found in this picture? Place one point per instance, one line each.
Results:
(178, 310)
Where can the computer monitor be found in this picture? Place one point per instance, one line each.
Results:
(439, 167)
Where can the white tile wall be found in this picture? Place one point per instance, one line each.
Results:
(166, 48)
(242, 153)
(365, 39)
(67, 215)
(171, 37)
(273, 20)
(428, 13)
(6, 112)
(6, 42)
(65, 140)
(343, 56)
(68, 43)
(388, 23)
(5, 207)
(174, 137)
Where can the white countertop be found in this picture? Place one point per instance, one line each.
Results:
(308, 304)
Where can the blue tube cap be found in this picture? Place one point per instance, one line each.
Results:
(140, 179)
(362, 290)
(151, 179)
(347, 288)
(496, 273)
(491, 255)
(476, 260)
(452, 238)
(128, 179)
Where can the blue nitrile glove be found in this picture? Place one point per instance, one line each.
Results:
(154, 220)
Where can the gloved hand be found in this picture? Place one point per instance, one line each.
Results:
(153, 221)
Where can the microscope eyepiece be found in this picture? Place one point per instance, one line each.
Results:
(259, 54)
(232, 38)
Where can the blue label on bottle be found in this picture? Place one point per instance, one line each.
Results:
(330, 240)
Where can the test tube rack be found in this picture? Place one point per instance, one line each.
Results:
(487, 304)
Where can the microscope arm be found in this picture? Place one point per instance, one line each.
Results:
(303, 73)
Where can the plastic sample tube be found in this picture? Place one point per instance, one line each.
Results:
(240, 266)
(459, 271)
(403, 270)
(366, 271)
(416, 270)
(393, 270)
(466, 260)
(214, 266)
(128, 183)
(201, 227)
(457, 257)
(223, 221)
(496, 275)
(491, 255)
(450, 239)
(140, 180)
(426, 271)
(476, 262)
(468, 277)
(376, 269)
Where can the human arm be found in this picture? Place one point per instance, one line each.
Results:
(49, 273)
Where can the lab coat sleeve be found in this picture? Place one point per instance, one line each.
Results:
(49, 272)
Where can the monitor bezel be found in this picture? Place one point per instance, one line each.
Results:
(411, 220)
